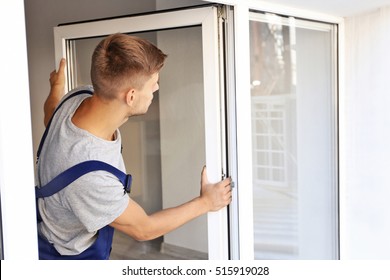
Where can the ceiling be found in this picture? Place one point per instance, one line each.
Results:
(343, 8)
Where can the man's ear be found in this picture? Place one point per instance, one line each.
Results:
(130, 96)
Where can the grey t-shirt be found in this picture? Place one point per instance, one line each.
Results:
(73, 216)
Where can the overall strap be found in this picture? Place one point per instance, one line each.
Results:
(71, 174)
(58, 107)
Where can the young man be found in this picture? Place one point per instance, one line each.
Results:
(78, 221)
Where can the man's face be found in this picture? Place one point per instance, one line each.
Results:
(144, 96)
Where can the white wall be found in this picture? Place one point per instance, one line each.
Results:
(366, 134)
(16, 159)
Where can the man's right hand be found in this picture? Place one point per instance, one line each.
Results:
(57, 78)
(136, 223)
(216, 195)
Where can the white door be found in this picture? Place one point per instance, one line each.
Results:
(166, 149)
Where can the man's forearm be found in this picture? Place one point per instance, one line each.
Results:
(144, 227)
(57, 82)
(172, 218)
(137, 224)
(51, 103)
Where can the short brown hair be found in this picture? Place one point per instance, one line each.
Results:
(121, 62)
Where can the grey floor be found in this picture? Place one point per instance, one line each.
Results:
(126, 248)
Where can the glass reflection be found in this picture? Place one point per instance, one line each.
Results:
(291, 89)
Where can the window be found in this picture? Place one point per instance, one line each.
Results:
(294, 147)
(166, 148)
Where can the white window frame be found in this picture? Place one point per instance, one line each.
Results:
(207, 17)
(244, 181)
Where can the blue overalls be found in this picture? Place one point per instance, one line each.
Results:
(100, 249)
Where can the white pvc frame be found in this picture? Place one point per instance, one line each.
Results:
(243, 111)
(207, 18)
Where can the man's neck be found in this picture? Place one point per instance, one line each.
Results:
(98, 118)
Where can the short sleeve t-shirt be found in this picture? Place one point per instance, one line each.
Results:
(72, 217)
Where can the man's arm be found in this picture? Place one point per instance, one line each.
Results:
(57, 83)
(137, 224)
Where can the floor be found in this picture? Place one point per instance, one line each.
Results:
(126, 248)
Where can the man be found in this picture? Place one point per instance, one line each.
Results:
(79, 220)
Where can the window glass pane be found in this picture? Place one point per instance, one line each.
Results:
(293, 133)
(166, 146)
